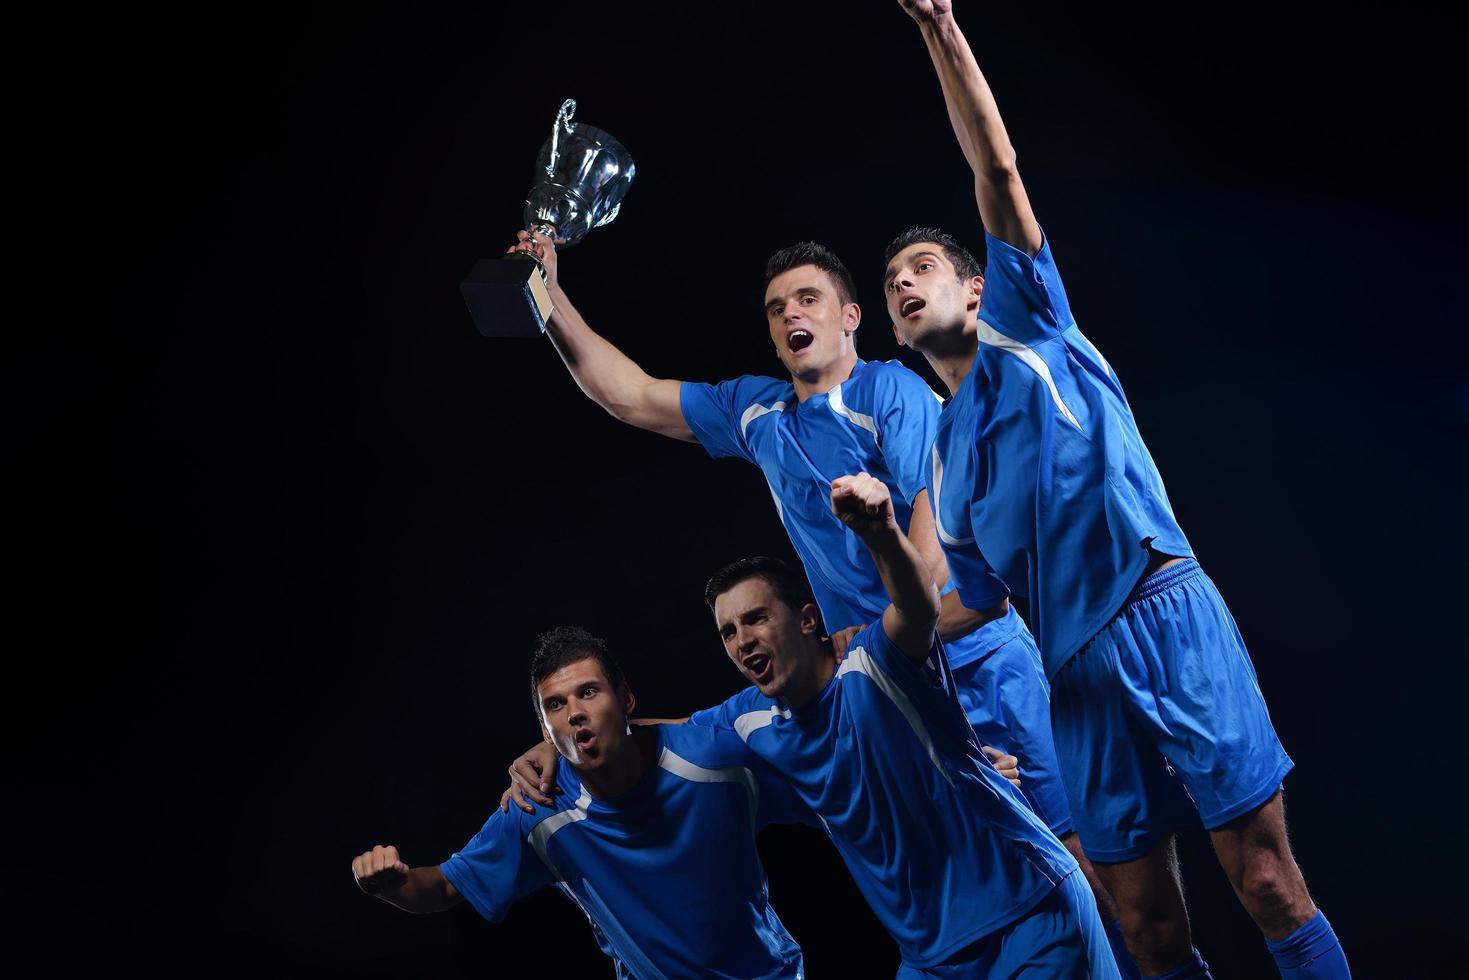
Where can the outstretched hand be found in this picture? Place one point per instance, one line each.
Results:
(926, 10)
(862, 502)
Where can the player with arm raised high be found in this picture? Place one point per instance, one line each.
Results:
(1039, 474)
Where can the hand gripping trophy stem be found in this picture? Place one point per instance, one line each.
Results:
(581, 176)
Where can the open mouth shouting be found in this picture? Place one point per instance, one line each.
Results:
(759, 667)
(585, 738)
(799, 339)
(910, 307)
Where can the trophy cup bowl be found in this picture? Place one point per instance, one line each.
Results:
(581, 177)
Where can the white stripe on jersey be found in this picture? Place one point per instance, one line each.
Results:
(858, 661)
(938, 514)
(541, 833)
(989, 335)
(684, 769)
(752, 721)
(755, 411)
(835, 403)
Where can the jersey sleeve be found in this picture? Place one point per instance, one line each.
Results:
(978, 585)
(934, 670)
(724, 714)
(713, 414)
(497, 868)
(907, 419)
(1023, 298)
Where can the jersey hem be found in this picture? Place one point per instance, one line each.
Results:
(1020, 911)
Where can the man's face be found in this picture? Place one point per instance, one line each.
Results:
(585, 719)
(767, 639)
(924, 293)
(809, 324)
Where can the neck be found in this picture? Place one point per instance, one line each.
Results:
(623, 769)
(951, 353)
(802, 692)
(819, 383)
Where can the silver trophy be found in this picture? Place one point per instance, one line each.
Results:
(580, 179)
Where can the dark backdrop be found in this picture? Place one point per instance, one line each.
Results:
(289, 525)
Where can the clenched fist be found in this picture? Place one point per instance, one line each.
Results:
(379, 870)
(862, 502)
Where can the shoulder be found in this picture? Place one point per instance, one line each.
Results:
(893, 379)
(706, 745)
(733, 713)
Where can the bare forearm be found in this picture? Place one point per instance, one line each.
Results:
(957, 619)
(907, 579)
(975, 117)
(611, 378)
(425, 890)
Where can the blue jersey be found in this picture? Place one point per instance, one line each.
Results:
(667, 873)
(943, 848)
(1038, 472)
(881, 420)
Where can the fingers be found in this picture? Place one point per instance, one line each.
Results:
(526, 781)
(862, 492)
(373, 870)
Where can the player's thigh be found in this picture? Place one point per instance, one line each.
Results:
(1194, 688)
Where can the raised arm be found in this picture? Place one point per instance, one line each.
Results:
(382, 874)
(863, 503)
(607, 375)
(1003, 206)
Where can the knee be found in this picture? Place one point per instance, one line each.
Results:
(1265, 889)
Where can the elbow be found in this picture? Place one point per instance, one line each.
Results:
(1000, 169)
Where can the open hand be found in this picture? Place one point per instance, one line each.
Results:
(532, 776)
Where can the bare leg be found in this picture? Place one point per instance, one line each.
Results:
(1149, 897)
(1255, 853)
(1105, 906)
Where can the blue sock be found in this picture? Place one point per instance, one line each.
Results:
(1312, 952)
(1125, 965)
(1193, 969)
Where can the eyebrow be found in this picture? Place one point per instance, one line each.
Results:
(892, 270)
(803, 291)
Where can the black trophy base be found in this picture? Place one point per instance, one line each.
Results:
(507, 297)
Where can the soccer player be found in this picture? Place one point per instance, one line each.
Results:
(966, 878)
(1039, 473)
(652, 834)
(835, 415)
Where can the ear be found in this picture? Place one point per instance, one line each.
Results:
(975, 293)
(851, 317)
(628, 701)
(898, 335)
(811, 619)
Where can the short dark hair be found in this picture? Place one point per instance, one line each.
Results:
(963, 262)
(790, 586)
(564, 646)
(810, 253)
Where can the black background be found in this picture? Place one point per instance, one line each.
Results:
(288, 525)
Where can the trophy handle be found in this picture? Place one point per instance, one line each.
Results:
(563, 121)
